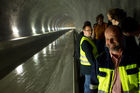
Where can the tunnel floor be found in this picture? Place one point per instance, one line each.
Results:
(48, 71)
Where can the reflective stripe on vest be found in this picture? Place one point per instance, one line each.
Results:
(105, 79)
(129, 76)
(130, 79)
(83, 58)
(93, 87)
(100, 91)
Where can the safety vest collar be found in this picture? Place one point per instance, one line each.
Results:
(108, 62)
(124, 60)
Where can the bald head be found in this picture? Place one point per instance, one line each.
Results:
(114, 29)
(113, 37)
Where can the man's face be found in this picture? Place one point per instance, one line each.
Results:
(109, 17)
(100, 21)
(87, 31)
(115, 22)
(112, 40)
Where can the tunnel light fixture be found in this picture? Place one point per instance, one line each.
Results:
(15, 31)
(43, 29)
(33, 30)
(13, 22)
(53, 29)
(49, 29)
(56, 28)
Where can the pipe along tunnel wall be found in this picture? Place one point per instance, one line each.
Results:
(13, 53)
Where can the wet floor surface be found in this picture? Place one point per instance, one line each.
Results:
(48, 71)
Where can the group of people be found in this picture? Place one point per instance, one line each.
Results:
(109, 54)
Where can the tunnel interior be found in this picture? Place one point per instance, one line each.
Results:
(37, 23)
(21, 18)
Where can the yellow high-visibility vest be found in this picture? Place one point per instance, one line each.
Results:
(83, 58)
(129, 75)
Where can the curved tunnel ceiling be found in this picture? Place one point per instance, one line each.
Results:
(29, 17)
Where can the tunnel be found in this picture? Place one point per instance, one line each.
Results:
(28, 28)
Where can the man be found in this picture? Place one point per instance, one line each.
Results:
(81, 78)
(88, 53)
(116, 15)
(98, 33)
(118, 70)
(131, 29)
(78, 39)
(137, 37)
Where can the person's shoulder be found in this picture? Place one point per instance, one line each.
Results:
(85, 42)
(80, 35)
(133, 51)
(102, 57)
(95, 25)
(105, 24)
(133, 55)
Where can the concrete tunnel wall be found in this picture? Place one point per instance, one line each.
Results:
(20, 18)
(16, 52)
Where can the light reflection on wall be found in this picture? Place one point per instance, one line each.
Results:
(43, 29)
(50, 48)
(33, 30)
(13, 22)
(53, 29)
(45, 51)
(54, 44)
(49, 28)
(15, 31)
(35, 59)
(19, 69)
(56, 41)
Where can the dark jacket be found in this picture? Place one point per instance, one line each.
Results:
(104, 61)
(87, 48)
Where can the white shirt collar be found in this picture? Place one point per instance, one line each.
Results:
(137, 38)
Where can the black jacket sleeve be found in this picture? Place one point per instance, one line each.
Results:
(87, 48)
